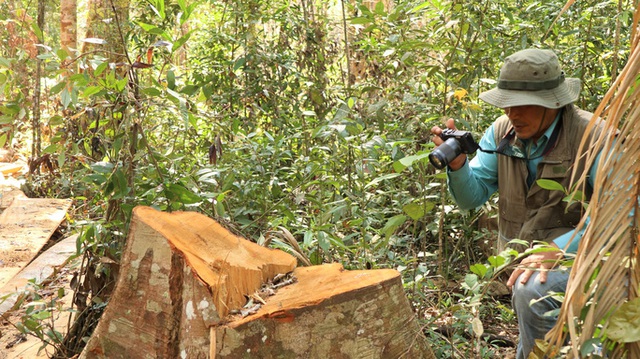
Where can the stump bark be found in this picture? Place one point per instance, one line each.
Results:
(189, 288)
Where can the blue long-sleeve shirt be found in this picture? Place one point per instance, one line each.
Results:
(473, 184)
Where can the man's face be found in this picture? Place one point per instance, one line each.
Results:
(530, 121)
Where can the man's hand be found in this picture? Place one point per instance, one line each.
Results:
(541, 262)
(459, 161)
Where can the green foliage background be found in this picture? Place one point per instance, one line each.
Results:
(262, 115)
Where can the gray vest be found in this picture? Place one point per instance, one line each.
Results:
(536, 213)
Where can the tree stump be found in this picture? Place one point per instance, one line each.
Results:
(189, 288)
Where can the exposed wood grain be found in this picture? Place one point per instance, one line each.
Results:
(25, 227)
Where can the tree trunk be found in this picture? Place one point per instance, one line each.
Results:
(69, 25)
(188, 288)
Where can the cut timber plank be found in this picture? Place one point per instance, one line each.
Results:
(7, 195)
(44, 268)
(39, 270)
(183, 276)
(25, 227)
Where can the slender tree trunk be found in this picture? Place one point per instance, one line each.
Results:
(36, 146)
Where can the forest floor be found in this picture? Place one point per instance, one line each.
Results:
(55, 288)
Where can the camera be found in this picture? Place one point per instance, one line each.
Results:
(455, 143)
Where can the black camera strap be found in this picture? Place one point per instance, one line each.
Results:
(502, 147)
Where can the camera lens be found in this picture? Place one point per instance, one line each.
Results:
(445, 153)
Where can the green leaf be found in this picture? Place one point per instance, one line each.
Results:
(351, 102)
(479, 269)
(575, 196)
(496, 261)
(158, 8)
(176, 96)
(100, 69)
(239, 63)
(541, 249)
(57, 87)
(36, 30)
(103, 167)
(624, 324)
(360, 21)
(178, 192)
(116, 186)
(31, 324)
(323, 241)
(42, 315)
(420, 7)
(54, 335)
(21, 328)
(471, 281)
(519, 241)
(171, 80)
(382, 178)
(181, 41)
(121, 84)
(151, 91)
(52, 148)
(408, 161)
(342, 112)
(550, 185)
(589, 347)
(189, 90)
(392, 224)
(90, 91)
(413, 210)
(186, 10)
(152, 29)
(65, 98)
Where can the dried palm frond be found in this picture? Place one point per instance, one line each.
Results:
(606, 270)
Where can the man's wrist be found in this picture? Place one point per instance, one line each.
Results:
(457, 163)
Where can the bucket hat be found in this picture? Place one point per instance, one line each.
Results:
(532, 77)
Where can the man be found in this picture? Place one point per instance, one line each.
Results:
(538, 138)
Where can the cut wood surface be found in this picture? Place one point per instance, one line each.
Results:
(47, 267)
(189, 288)
(25, 227)
(39, 270)
(7, 195)
(329, 313)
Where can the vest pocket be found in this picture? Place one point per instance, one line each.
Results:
(553, 169)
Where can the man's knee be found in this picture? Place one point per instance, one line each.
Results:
(527, 294)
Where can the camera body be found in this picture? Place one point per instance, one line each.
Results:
(455, 143)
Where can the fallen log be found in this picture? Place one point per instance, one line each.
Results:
(189, 288)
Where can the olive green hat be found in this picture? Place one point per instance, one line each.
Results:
(532, 77)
